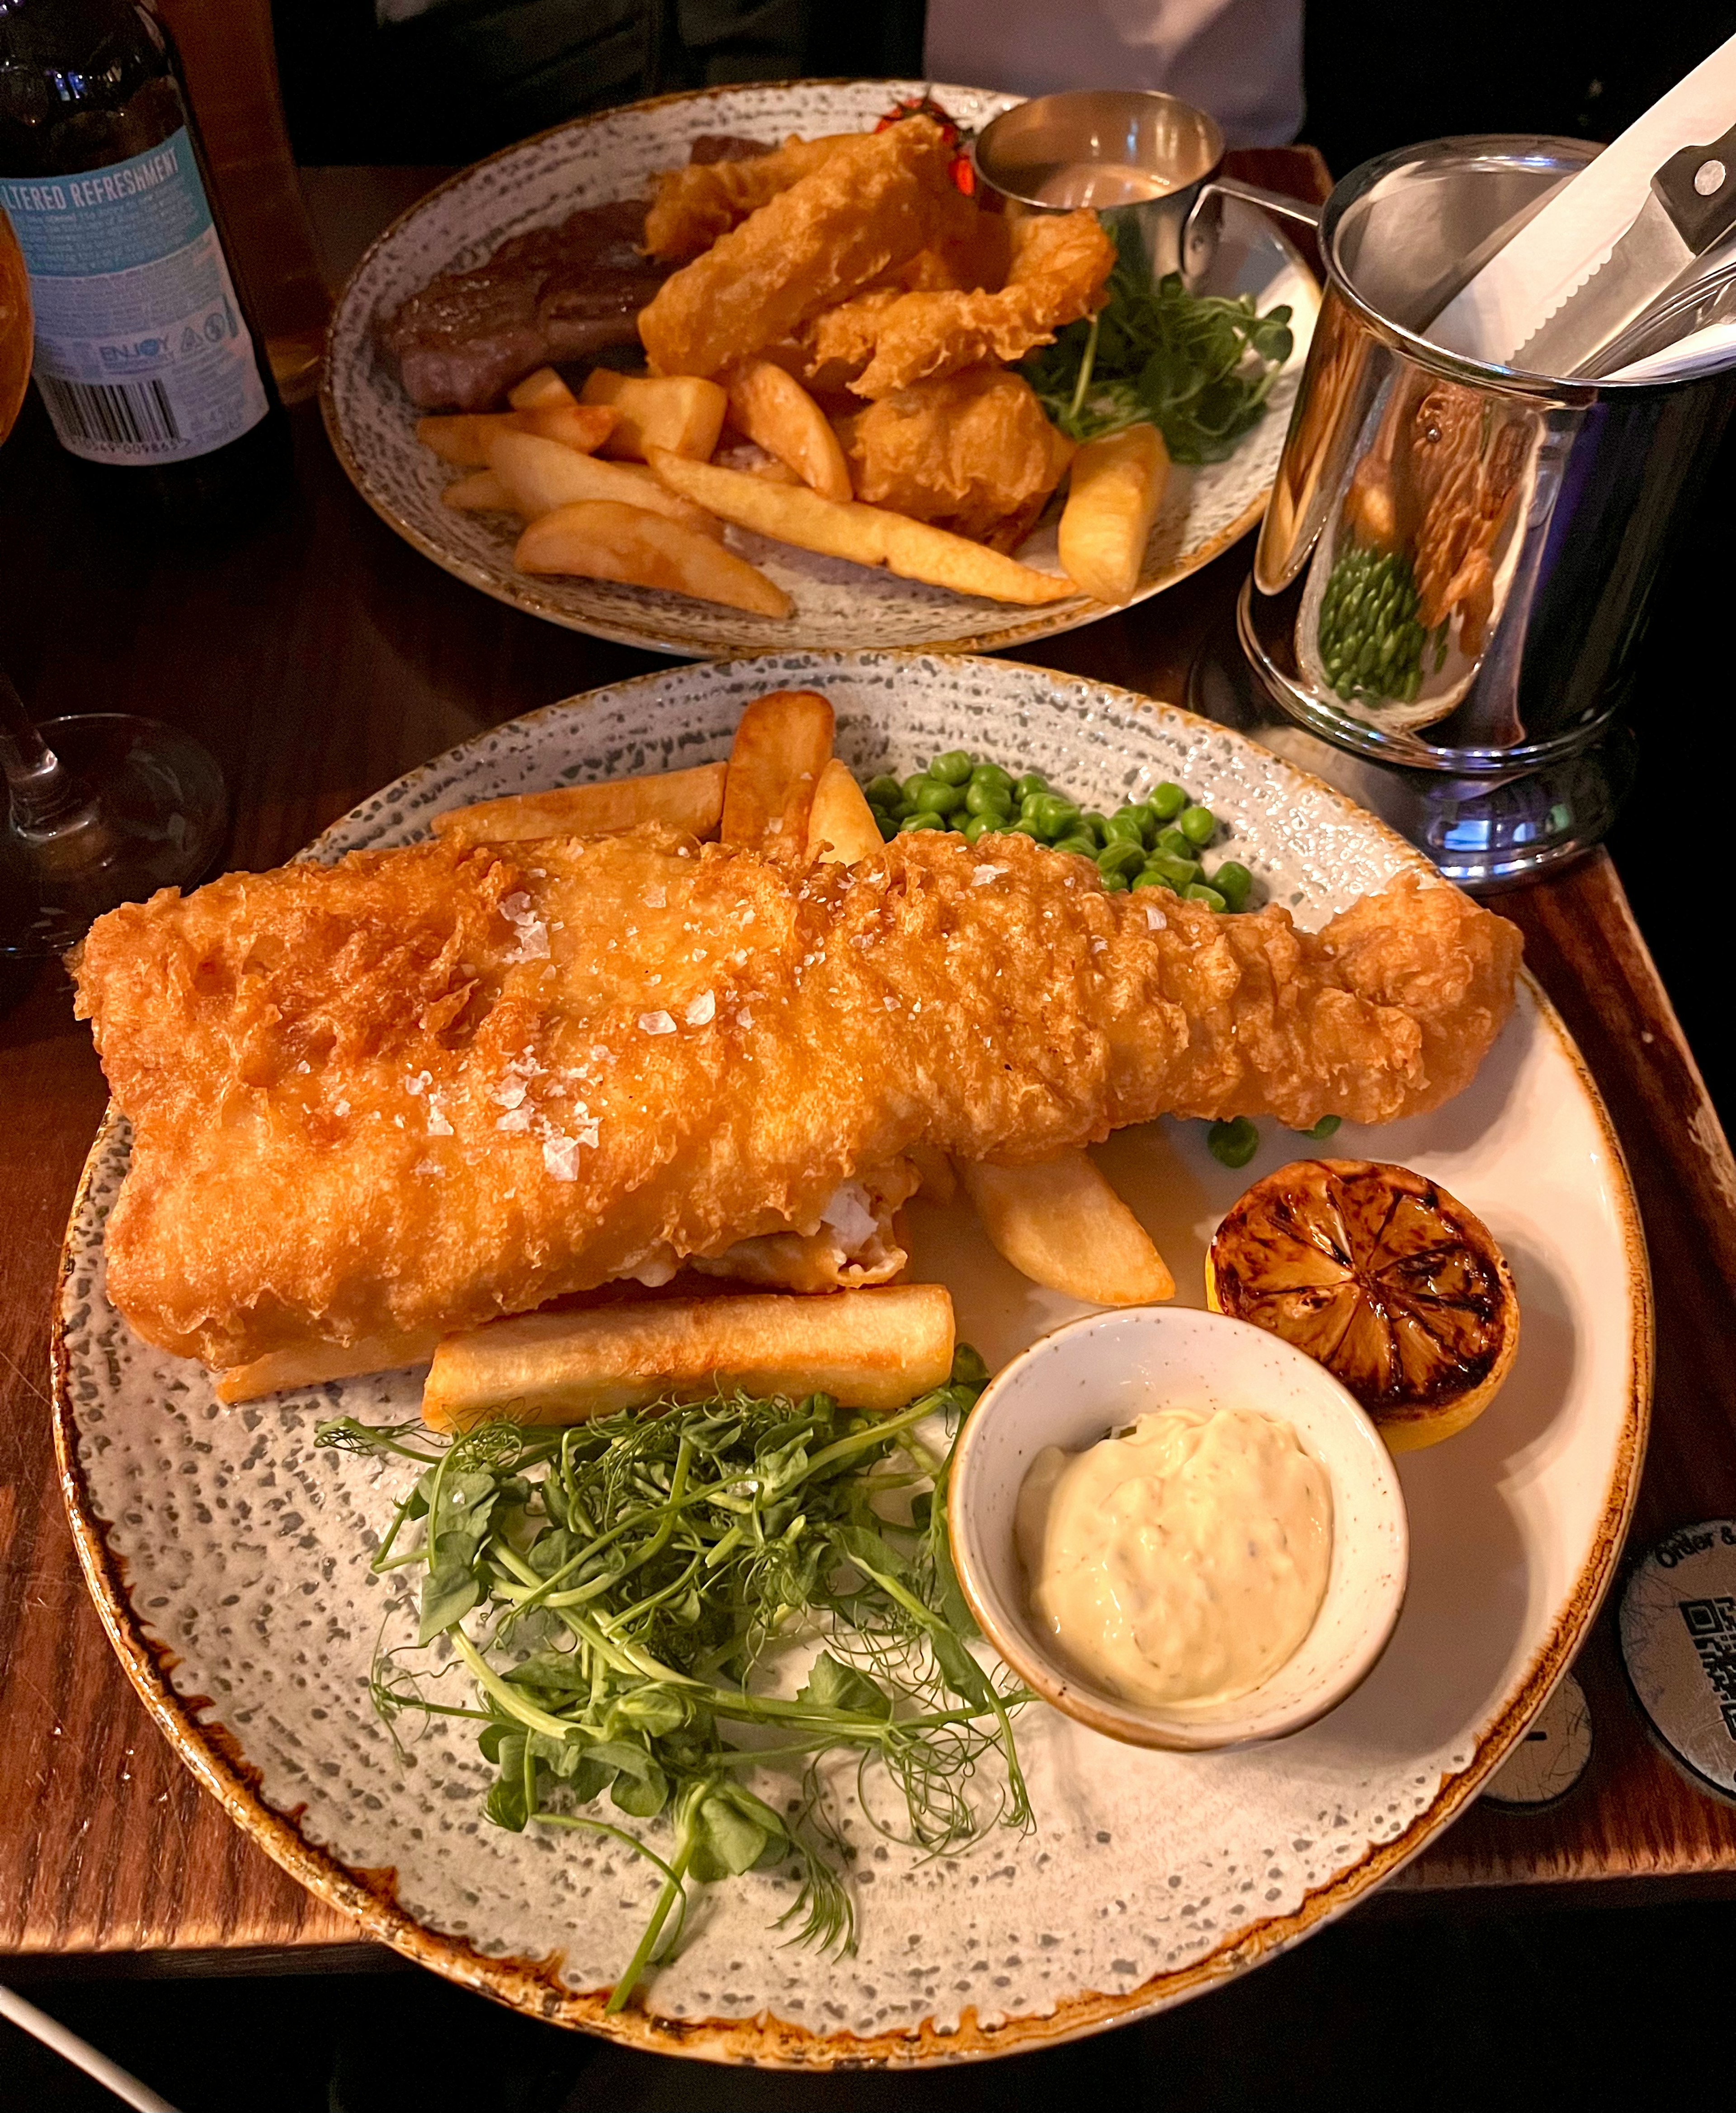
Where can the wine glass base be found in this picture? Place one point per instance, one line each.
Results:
(156, 821)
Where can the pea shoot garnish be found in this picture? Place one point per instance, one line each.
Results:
(612, 1587)
(1198, 367)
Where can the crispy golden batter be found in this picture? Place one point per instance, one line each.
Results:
(968, 451)
(696, 205)
(1059, 268)
(425, 1087)
(873, 203)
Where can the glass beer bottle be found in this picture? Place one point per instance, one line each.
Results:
(145, 356)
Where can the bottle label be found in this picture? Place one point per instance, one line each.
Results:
(141, 353)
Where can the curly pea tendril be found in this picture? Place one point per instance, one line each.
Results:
(612, 1589)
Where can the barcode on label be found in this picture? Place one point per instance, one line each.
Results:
(111, 414)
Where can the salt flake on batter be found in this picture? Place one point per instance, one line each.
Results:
(981, 875)
(533, 934)
(656, 1022)
(702, 1011)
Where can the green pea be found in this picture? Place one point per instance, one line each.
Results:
(954, 768)
(1078, 842)
(1173, 844)
(1198, 891)
(1198, 825)
(972, 829)
(1031, 805)
(1324, 1129)
(968, 1368)
(1054, 816)
(1166, 800)
(1120, 856)
(1097, 824)
(1027, 828)
(912, 786)
(1233, 1143)
(986, 799)
(991, 774)
(921, 821)
(883, 791)
(1149, 877)
(997, 823)
(888, 823)
(1180, 872)
(937, 798)
(1125, 828)
(1234, 883)
(1146, 815)
(1032, 781)
(1114, 883)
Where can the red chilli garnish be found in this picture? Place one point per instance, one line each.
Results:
(962, 170)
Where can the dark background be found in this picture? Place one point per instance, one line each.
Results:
(1439, 2009)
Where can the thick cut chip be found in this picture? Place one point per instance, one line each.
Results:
(539, 391)
(481, 492)
(841, 824)
(598, 540)
(541, 474)
(679, 412)
(1059, 1222)
(866, 535)
(464, 439)
(314, 1364)
(690, 801)
(876, 1349)
(771, 406)
(782, 746)
(584, 426)
(1112, 499)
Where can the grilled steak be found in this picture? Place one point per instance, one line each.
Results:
(557, 293)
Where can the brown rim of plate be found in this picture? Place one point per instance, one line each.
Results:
(218, 1759)
(649, 636)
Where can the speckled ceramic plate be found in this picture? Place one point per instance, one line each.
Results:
(838, 606)
(229, 1558)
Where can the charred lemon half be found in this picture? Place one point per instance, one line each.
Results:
(1383, 1277)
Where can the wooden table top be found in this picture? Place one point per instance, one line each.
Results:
(319, 657)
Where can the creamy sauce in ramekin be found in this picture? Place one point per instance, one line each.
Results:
(1181, 1561)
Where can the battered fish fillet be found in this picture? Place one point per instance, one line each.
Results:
(424, 1088)
(971, 451)
(875, 202)
(1059, 268)
(696, 205)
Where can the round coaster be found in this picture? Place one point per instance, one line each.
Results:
(1552, 1756)
(1678, 1638)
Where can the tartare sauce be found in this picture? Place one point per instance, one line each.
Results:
(1181, 1561)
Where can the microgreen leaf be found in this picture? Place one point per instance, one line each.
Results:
(833, 1685)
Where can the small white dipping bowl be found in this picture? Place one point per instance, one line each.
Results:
(1095, 1377)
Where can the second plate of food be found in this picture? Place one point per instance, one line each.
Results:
(833, 604)
(242, 1570)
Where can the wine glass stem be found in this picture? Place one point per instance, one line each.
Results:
(45, 796)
